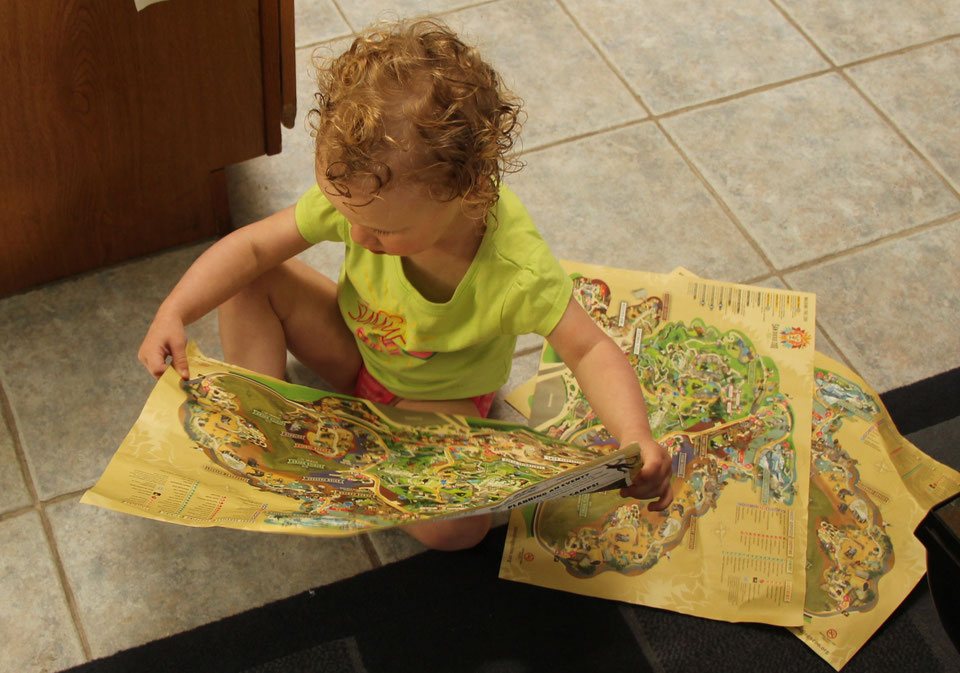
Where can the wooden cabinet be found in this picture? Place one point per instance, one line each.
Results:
(115, 125)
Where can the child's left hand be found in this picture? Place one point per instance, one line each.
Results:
(654, 478)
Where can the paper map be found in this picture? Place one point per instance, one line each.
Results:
(235, 449)
(868, 487)
(726, 371)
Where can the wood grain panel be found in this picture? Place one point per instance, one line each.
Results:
(112, 122)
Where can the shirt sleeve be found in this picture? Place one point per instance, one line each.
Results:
(537, 298)
(317, 219)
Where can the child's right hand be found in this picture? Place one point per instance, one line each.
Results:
(166, 338)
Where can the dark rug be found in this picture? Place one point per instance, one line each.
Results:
(449, 612)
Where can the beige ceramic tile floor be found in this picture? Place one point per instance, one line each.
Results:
(809, 144)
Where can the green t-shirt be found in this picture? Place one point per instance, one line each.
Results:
(425, 350)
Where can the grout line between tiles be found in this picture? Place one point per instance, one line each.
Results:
(673, 143)
(343, 15)
(745, 93)
(71, 599)
(716, 196)
(850, 251)
(905, 233)
(780, 274)
(759, 279)
(603, 56)
(842, 72)
(825, 333)
(6, 409)
(371, 550)
(901, 50)
(14, 513)
(866, 59)
(803, 33)
(656, 119)
(356, 31)
(63, 497)
(581, 136)
(6, 413)
(902, 135)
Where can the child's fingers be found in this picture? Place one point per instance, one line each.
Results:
(656, 468)
(663, 499)
(647, 490)
(653, 481)
(153, 361)
(154, 358)
(179, 359)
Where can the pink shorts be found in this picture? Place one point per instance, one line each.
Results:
(369, 388)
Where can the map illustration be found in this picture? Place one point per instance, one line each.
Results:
(850, 549)
(869, 490)
(232, 448)
(733, 412)
(869, 487)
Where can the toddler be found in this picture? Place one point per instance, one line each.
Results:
(443, 267)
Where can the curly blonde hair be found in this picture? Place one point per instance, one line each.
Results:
(415, 94)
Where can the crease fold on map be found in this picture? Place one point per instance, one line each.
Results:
(236, 449)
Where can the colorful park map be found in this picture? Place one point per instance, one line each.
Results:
(869, 488)
(235, 449)
(795, 497)
(727, 372)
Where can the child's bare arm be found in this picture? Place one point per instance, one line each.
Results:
(611, 386)
(215, 276)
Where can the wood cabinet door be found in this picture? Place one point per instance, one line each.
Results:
(115, 125)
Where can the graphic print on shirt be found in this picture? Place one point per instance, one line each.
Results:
(381, 331)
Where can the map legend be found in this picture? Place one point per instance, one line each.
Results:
(752, 302)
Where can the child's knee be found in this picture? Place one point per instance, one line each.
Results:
(247, 298)
(452, 534)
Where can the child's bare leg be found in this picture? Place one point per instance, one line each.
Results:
(451, 534)
(464, 407)
(448, 534)
(290, 307)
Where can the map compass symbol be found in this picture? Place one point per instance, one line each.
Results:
(882, 466)
(720, 530)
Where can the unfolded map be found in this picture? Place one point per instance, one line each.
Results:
(235, 449)
(727, 373)
(869, 490)
(868, 486)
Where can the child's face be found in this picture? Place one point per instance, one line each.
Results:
(402, 220)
